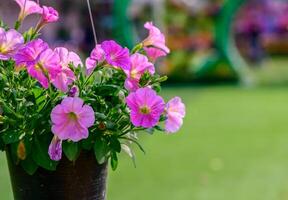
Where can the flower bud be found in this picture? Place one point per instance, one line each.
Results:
(21, 151)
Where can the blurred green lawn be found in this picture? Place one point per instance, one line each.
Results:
(234, 146)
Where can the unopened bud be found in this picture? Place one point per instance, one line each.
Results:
(74, 91)
(21, 151)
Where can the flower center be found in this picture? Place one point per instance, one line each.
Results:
(145, 110)
(3, 49)
(133, 74)
(72, 116)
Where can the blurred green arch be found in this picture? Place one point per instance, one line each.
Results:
(225, 45)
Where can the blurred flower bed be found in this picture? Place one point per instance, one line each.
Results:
(260, 30)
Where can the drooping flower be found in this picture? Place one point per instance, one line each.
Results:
(155, 38)
(55, 149)
(139, 65)
(71, 119)
(28, 7)
(10, 42)
(146, 107)
(175, 113)
(154, 53)
(49, 15)
(97, 55)
(116, 55)
(41, 62)
(66, 77)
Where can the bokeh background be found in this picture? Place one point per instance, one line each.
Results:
(229, 63)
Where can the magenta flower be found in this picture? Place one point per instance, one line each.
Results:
(97, 55)
(146, 107)
(41, 62)
(55, 149)
(28, 7)
(49, 15)
(175, 113)
(10, 42)
(116, 55)
(71, 119)
(66, 77)
(155, 38)
(154, 53)
(139, 65)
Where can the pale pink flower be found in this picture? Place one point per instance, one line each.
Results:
(155, 38)
(146, 107)
(28, 7)
(175, 113)
(55, 149)
(71, 119)
(154, 53)
(10, 42)
(97, 56)
(66, 77)
(139, 65)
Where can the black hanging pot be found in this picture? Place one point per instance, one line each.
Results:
(83, 179)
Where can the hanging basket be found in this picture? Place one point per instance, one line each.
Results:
(82, 179)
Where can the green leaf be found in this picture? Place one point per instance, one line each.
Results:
(11, 136)
(40, 153)
(115, 144)
(71, 150)
(29, 165)
(114, 161)
(101, 150)
(87, 144)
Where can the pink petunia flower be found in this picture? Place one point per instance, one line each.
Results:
(41, 62)
(49, 15)
(55, 149)
(71, 119)
(146, 107)
(28, 7)
(155, 38)
(66, 77)
(139, 65)
(175, 113)
(116, 55)
(10, 42)
(154, 53)
(97, 55)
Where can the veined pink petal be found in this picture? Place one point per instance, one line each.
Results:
(97, 55)
(74, 117)
(86, 116)
(55, 149)
(49, 15)
(10, 42)
(175, 113)
(154, 53)
(155, 38)
(58, 115)
(71, 104)
(27, 8)
(146, 107)
(116, 55)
